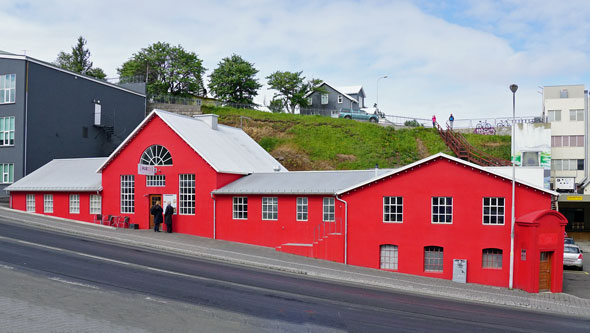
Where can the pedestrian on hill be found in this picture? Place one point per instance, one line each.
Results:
(168, 217)
(451, 119)
(157, 211)
(434, 121)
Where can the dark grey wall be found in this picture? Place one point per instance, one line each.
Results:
(61, 104)
(14, 154)
(332, 100)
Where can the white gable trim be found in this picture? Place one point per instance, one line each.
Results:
(335, 89)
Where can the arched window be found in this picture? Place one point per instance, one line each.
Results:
(156, 155)
(388, 256)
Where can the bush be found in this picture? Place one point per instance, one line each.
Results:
(412, 123)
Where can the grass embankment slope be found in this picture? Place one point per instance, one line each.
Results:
(322, 143)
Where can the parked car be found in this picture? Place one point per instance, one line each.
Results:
(572, 256)
(569, 240)
(358, 115)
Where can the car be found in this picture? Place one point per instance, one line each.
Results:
(573, 256)
(569, 241)
(358, 115)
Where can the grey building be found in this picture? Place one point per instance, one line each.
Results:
(47, 112)
(328, 103)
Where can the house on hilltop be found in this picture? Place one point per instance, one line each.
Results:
(328, 103)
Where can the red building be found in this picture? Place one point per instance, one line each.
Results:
(417, 219)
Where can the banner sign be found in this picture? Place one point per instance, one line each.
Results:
(169, 198)
(148, 170)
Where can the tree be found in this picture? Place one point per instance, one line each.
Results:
(291, 88)
(233, 81)
(79, 60)
(169, 70)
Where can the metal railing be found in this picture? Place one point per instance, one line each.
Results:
(168, 99)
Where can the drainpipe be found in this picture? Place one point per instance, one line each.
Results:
(25, 134)
(585, 180)
(214, 220)
(345, 229)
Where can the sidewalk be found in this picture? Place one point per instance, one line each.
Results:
(268, 258)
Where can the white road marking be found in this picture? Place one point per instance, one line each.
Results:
(6, 267)
(155, 300)
(73, 283)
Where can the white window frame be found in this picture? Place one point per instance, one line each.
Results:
(30, 202)
(155, 180)
(156, 155)
(240, 208)
(270, 208)
(7, 131)
(325, 99)
(496, 210)
(74, 204)
(576, 114)
(186, 193)
(554, 115)
(48, 203)
(388, 254)
(393, 209)
(432, 262)
(6, 173)
(7, 88)
(310, 101)
(491, 258)
(95, 204)
(328, 209)
(340, 99)
(127, 194)
(438, 207)
(302, 209)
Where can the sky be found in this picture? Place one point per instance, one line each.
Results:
(440, 57)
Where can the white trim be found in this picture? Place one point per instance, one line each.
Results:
(335, 89)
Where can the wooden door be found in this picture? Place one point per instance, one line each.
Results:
(545, 271)
(153, 199)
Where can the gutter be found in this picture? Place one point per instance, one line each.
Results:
(25, 134)
(214, 219)
(585, 181)
(345, 229)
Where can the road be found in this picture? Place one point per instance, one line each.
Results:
(247, 298)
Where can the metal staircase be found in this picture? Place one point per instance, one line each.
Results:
(465, 151)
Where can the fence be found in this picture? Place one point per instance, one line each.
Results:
(467, 123)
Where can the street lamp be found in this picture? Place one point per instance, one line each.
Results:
(513, 88)
(382, 77)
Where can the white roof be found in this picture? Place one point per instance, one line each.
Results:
(337, 90)
(72, 175)
(350, 90)
(227, 149)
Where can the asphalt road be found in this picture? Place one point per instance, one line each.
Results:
(251, 293)
(577, 282)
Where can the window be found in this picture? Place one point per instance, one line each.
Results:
(156, 155)
(563, 93)
(493, 210)
(328, 209)
(442, 210)
(567, 165)
(155, 180)
(491, 258)
(530, 158)
(7, 88)
(6, 131)
(433, 259)
(127, 194)
(554, 115)
(324, 98)
(567, 141)
(392, 209)
(301, 209)
(339, 99)
(240, 210)
(48, 203)
(6, 173)
(30, 203)
(388, 257)
(577, 115)
(270, 208)
(74, 204)
(310, 101)
(186, 190)
(95, 204)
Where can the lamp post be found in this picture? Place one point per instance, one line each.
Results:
(513, 88)
(382, 77)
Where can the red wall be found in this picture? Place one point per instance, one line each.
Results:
(61, 204)
(185, 161)
(465, 238)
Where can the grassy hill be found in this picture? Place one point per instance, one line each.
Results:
(322, 143)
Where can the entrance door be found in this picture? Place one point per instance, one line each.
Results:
(545, 271)
(153, 199)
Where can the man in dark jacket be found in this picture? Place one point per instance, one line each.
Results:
(157, 212)
(168, 217)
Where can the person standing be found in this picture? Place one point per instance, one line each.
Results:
(168, 218)
(451, 119)
(434, 121)
(157, 213)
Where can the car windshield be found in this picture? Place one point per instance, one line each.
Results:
(571, 249)
(568, 240)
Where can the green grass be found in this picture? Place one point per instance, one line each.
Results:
(315, 142)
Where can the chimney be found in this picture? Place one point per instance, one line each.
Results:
(209, 119)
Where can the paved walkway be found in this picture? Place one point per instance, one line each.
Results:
(262, 257)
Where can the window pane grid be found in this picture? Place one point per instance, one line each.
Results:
(6, 173)
(491, 258)
(6, 131)
(442, 210)
(388, 257)
(7, 88)
(31, 203)
(393, 209)
(433, 259)
(48, 203)
(240, 208)
(127, 194)
(328, 208)
(95, 204)
(270, 208)
(301, 209)
(155, 180)
(74, 204)
(493, 210)
(156, 155)
(186, 190)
